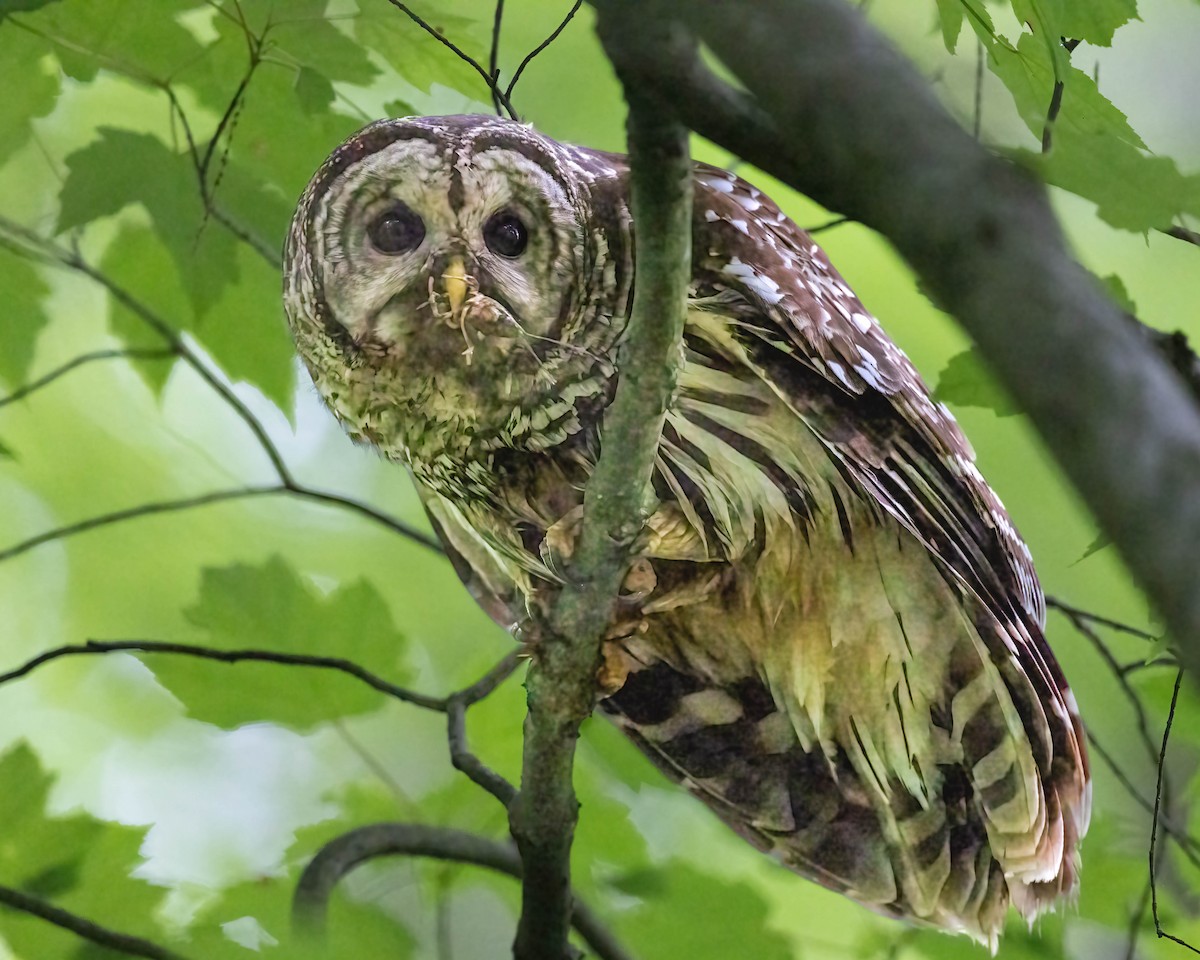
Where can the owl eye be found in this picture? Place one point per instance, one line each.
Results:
(505, 234)
(396, 230)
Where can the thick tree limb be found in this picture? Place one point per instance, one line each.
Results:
(341, 855)
(836, 112)
(562, 681)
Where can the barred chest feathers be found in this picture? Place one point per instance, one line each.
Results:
(834, 635)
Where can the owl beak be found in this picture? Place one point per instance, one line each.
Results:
(454, 282)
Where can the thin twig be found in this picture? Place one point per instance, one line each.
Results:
(461, 756)
(1183, 233)
(341, 855)
(1055, 102)
(529, 57)
(72, 260)
(128, 353)
(34, 244)
(492, 85)
(827, 225)
(1054, 603)
(1158, 793)
(338, 664)
(1080, 622)
(1186, 842)
(467, 762)
(1135, 922)
(205, 499)
(142, 510)
(124, 943)
(977, 124)
(494, 58)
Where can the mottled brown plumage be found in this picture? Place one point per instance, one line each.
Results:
(834, 638)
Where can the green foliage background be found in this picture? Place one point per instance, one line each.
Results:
(178, 799)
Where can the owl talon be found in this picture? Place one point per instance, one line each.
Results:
(614, 669)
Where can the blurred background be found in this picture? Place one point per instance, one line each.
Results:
(179, 799)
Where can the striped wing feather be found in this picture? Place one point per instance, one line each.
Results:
(932, 761)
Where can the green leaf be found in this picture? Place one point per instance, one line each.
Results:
(1029, 73)
(271, 608)
(723, 918)
(420, 59)
(313, 90)
(123, 168)
(39, 855)
(23, 316)
(1095, 152)
(1093, 21)
(967, 382)
(950, 16)
(80, 864)
(302, 32)
(276, 140)
(1102, 540)
(247, 335)
(6, 452)
(25, 55)
(1120, 296)
(399, 108)
(137, 259)
(21, 6)
(261, 908)
(115, 35)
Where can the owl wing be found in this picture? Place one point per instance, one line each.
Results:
(829, 360)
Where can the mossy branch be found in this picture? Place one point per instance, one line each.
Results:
(562, 681)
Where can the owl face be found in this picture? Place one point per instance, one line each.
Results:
(453, 262)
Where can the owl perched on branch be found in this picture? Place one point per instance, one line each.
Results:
(833, 634)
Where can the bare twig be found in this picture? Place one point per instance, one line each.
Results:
(1055, 102)
(529, 57)
(338, 664)
(338, 857)
(1080, 621)
(36, 245)
(465, 761)
(1186, 842)
(494, 58)
(1135, 923)
(827, 225)
(456, 729)
(88, 930)
(491, 82)
(1158, 796)
(128, 353)
(142, 510)
(1184, 234)
(1074, 613)
(206, 499)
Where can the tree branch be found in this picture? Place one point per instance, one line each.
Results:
(562, 682)
(836, 112)
(456, 730)
(341, 855)
(131, 353)
(206, 499)
(121, 942)
(92, 647)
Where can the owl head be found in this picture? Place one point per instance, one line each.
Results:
(455, 284)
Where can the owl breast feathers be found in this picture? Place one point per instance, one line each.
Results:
(834, 637)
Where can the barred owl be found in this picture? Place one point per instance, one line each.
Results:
(833, 636)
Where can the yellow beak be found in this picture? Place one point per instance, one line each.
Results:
(454, 281)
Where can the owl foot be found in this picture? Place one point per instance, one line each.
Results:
(615, 667)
